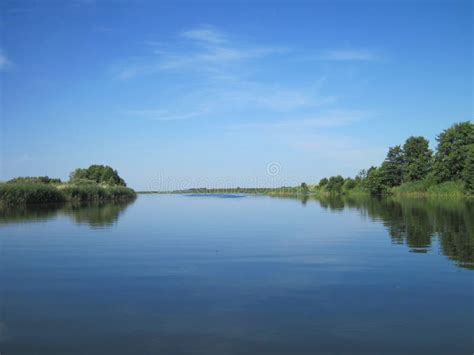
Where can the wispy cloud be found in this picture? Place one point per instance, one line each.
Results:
(164, 115)
(5, 63)
(221, 80)
(325, 119)
(349, 55)
(206, 34)
(204, 49)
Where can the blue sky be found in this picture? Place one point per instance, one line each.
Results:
(179, 94)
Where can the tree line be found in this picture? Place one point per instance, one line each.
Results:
(414, 167)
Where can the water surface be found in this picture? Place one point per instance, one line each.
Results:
(174, 274)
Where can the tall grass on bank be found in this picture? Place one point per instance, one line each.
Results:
(454, 189)
(23, 194)
(83, 193)
(17, 194)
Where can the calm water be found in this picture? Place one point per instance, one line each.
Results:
(250, 275)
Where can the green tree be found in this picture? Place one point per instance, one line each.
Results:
(99, 173)
(375, 181)
(335, 184)
(349, 184)
(468, 173)
(417, 159)
(304, 187)
(323, 182)
(391, 170)
(452, 152)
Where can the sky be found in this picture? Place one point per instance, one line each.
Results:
(225, 93)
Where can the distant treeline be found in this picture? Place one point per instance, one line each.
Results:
(409, 169)
(96, 183)
(414, 169)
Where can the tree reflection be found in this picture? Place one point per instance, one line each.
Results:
(416, 221)
(95, 215)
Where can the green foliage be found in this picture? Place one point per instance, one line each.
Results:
(417, 159)
(34, 180)
(447, 189)
(349, 184)
(335, 184)
(21, 193)
(323, 182)
(468, 172)
(304, 187)
(96, 183)
(14, 194)
(453, 147)
(413, 187)
(100, 174)
(82, 182)
(391, 171)
(81, 193)
(375, 181)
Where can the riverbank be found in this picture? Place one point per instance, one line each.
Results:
(17, 194)
(450, 189)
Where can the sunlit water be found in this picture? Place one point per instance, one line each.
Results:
(174, 274)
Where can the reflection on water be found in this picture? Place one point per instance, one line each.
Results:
(415, 221)
(95, 215)
(254, 275)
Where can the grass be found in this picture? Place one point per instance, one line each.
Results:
(17, 194)
(454, 189)
(29, 193)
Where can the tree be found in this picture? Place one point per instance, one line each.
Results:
(304, 187)
(335, 184)
(391, 171)
(99, 173)
(323, 182)
(453, 147)
(417, 159)
(375, 181)
(468, 172)
(349, 184)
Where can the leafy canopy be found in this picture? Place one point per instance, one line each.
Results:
(98, 173)
(453, 148)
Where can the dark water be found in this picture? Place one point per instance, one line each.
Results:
(253, 275)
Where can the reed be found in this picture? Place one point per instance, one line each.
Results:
(17, 194)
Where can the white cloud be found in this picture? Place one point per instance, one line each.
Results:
(206, 34)
(5, 63)
(349, 55)
(165, 115)
(226, 83)
(204, 50)
(327, 119)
